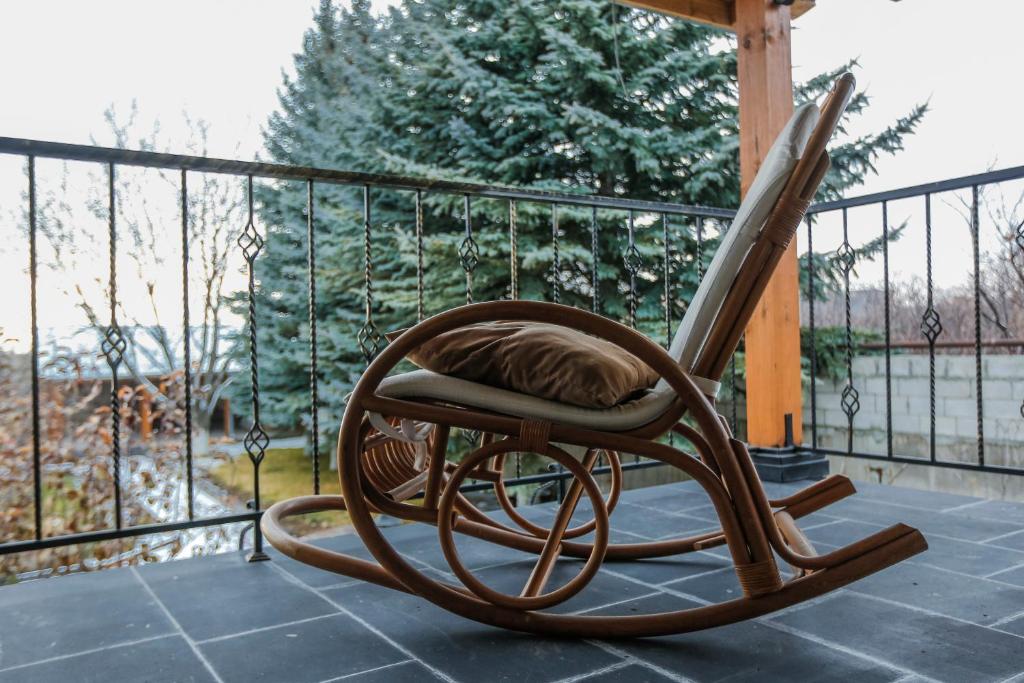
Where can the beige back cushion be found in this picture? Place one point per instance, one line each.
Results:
(759, 201)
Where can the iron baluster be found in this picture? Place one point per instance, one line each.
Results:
(976, 252)
(513, 249)
(667, 274)
(888, 330)
(1020, 243)
(700, 248)
(850, 400)
(187, 345)
(556, 261)
(734, 408)
(931, 325)
(814, 333)
(33, 274)
(314, 389)
(369, 338)
(595, 282)
(668, 284)
(419, 256)
(256, 439)
(632, 260)
(113, 346)
(469, 252)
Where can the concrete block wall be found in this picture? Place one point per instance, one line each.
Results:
(956, 422)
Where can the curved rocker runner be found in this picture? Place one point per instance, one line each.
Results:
(394, 434)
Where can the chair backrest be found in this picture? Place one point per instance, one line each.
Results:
(762, 228)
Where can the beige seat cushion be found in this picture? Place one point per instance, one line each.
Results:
(545, 361)
(424, 384)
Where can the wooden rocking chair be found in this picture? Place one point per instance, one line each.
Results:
(386, 461)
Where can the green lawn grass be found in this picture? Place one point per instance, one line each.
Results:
(284, 473)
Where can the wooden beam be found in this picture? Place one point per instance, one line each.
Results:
(720, 13)
(773, 335)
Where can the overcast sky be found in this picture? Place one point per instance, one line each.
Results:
(65, 61)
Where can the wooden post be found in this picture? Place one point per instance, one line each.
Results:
(773, 335)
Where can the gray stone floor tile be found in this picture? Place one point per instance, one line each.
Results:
(603, 589)
(928, 521)
(1014, 575)
(749, 651)
(464, 649)
(407, 672)
(68, 614)
(714, 587)
(927, 500)
(667, 500)
(933, 615)
(634, 673)
(163, 659)
(975, 559)
(1001, 510)
(224, 594)
(976, 600)
(935, 646)
(307, 652)
(1013, 541)
(666, 569)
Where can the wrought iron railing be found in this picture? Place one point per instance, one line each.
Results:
(931, 328)
(369, 338)
(250, 242)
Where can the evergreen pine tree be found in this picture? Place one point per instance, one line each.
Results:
(576, 96)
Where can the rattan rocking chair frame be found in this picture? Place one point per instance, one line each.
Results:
(378, 472)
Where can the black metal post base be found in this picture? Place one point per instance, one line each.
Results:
(257, 556)
(788, 464)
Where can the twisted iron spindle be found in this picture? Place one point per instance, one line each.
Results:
(469, 252)
(888, 330)
(314, 390)
(850, 399)
(256, 440)
(667, 276)
(186, 344)
(632, 260)
(556, 261)
(113, 345)
(595, 283)
(513, 248)
(976, 252)
(1020, 243)
(700, 248)
(369, 338)
(37, 484)
(813, 331)
(419, 256)
(469, 256)
(931, 325)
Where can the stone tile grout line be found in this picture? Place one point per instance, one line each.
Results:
(114, 646)
(188, 639)
(362, 622)
(369, 671)
(261, 629)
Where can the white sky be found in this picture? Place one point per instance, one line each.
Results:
(65, 61)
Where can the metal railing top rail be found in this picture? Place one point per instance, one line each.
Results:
(911, 191)
(177, 162)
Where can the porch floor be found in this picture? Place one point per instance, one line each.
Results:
(954, 613)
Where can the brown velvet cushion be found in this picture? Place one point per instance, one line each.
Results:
(547, 361)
